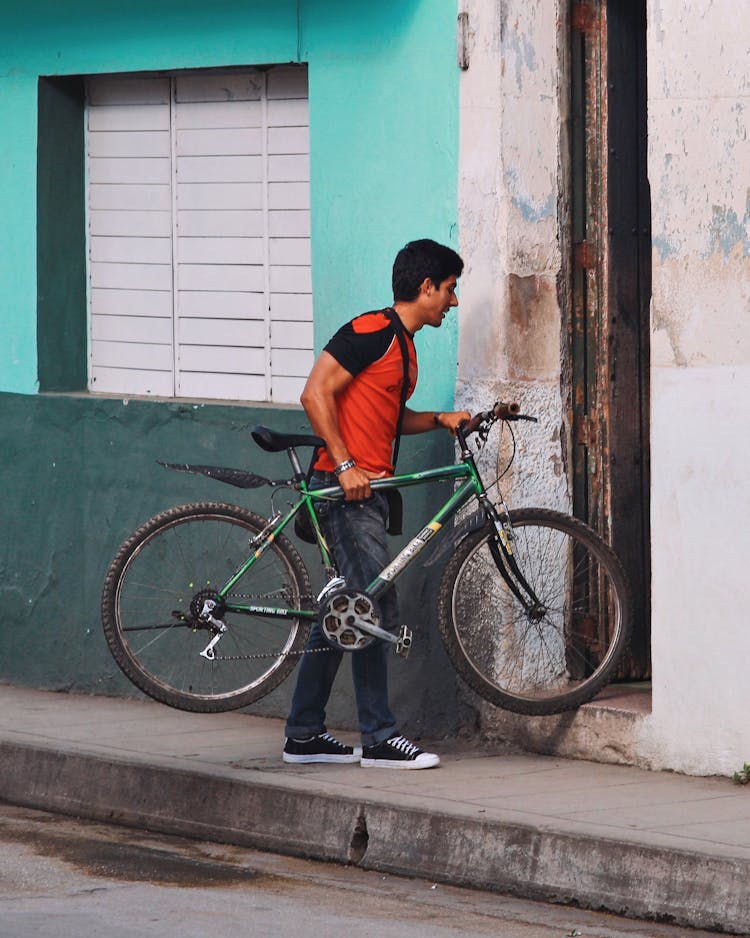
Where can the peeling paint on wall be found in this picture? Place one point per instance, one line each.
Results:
(702, 305)
(523, 53)
(700, 357)
(728, 232)
(531, 209)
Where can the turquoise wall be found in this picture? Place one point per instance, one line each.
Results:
(78, 472)
(384, 135)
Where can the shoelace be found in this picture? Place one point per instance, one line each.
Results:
(331, 739)
(403, 745)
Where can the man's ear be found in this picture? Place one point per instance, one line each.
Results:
(426, 286)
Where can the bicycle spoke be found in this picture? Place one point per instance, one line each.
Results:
(551, 652)
(169, 567)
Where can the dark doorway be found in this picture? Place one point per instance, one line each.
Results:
(611, 289)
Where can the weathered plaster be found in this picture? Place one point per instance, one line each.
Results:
(697, 48)
(534, 327)
(698, 154)
(700, 377)
(482, 209)
(701, 310)
(700, 385)
(508, 199)
(699, 458)
(509, 339)
(537, 477)
(510, 320)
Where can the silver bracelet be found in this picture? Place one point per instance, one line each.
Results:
(343, 466)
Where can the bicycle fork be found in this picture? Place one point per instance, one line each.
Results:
(501, 549)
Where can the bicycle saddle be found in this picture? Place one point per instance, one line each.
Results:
(274, 442)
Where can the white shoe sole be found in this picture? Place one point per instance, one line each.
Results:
(428, 761)
(322, 757)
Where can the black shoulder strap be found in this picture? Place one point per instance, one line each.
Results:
(398, 328)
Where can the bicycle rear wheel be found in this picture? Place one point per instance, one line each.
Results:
(155, 588)
(556, 655)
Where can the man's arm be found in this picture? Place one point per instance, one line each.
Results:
(327, 379)
(422, 421)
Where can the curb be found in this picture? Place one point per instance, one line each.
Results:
(686, 888)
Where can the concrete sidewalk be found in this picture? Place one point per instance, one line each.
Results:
(647, 844)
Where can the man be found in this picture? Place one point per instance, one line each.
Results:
(353, 399)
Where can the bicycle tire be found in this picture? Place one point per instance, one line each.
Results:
(571, 651)
(155, 638)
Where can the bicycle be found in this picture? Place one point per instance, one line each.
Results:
(207, 607)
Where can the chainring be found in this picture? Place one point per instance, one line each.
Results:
(342, 616)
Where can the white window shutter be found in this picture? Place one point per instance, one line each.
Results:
(199, 234)
(130, 236)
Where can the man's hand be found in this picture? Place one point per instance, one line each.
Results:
(450, 420)
(356, 483)
(420, 421)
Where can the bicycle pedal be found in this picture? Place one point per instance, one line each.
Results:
(403, 645)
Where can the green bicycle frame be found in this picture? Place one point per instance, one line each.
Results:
(472, 486)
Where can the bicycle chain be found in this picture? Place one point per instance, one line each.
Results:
(266, 654)
(271, 654)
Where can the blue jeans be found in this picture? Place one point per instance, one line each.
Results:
(356, 534)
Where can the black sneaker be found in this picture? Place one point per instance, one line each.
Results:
(320, 748)
(398, 753)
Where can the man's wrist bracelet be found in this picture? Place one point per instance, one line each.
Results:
(343, 466)
(436, 420)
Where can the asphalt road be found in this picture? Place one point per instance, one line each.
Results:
(65, 878)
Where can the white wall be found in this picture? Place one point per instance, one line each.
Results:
(700, 448)
(511, 216)
(509, 169)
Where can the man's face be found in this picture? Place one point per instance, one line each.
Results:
(439, 299)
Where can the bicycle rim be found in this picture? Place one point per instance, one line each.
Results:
(149, 608)
(557, 655)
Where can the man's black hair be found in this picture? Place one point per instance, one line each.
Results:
(420, 259)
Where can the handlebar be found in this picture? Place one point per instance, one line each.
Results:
(501, 411)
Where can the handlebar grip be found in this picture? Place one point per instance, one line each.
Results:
(501, 411)
(506, 411)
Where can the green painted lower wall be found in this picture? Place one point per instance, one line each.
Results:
(78, 474)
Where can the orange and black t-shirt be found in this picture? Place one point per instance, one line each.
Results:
(367, 409)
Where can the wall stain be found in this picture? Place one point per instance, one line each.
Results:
(529, 209)
(727, 231)
(533, 338)
(671, 327)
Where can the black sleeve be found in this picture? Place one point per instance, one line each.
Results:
(355, 350)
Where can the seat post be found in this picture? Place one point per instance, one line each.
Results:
(299, 475)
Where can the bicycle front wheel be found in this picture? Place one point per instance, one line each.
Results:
(154, 592)
(555, 652)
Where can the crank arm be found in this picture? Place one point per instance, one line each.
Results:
(378, 632)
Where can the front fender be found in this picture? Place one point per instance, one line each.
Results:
(449, 541)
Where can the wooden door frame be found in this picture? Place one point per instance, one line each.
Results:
(608, 335)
